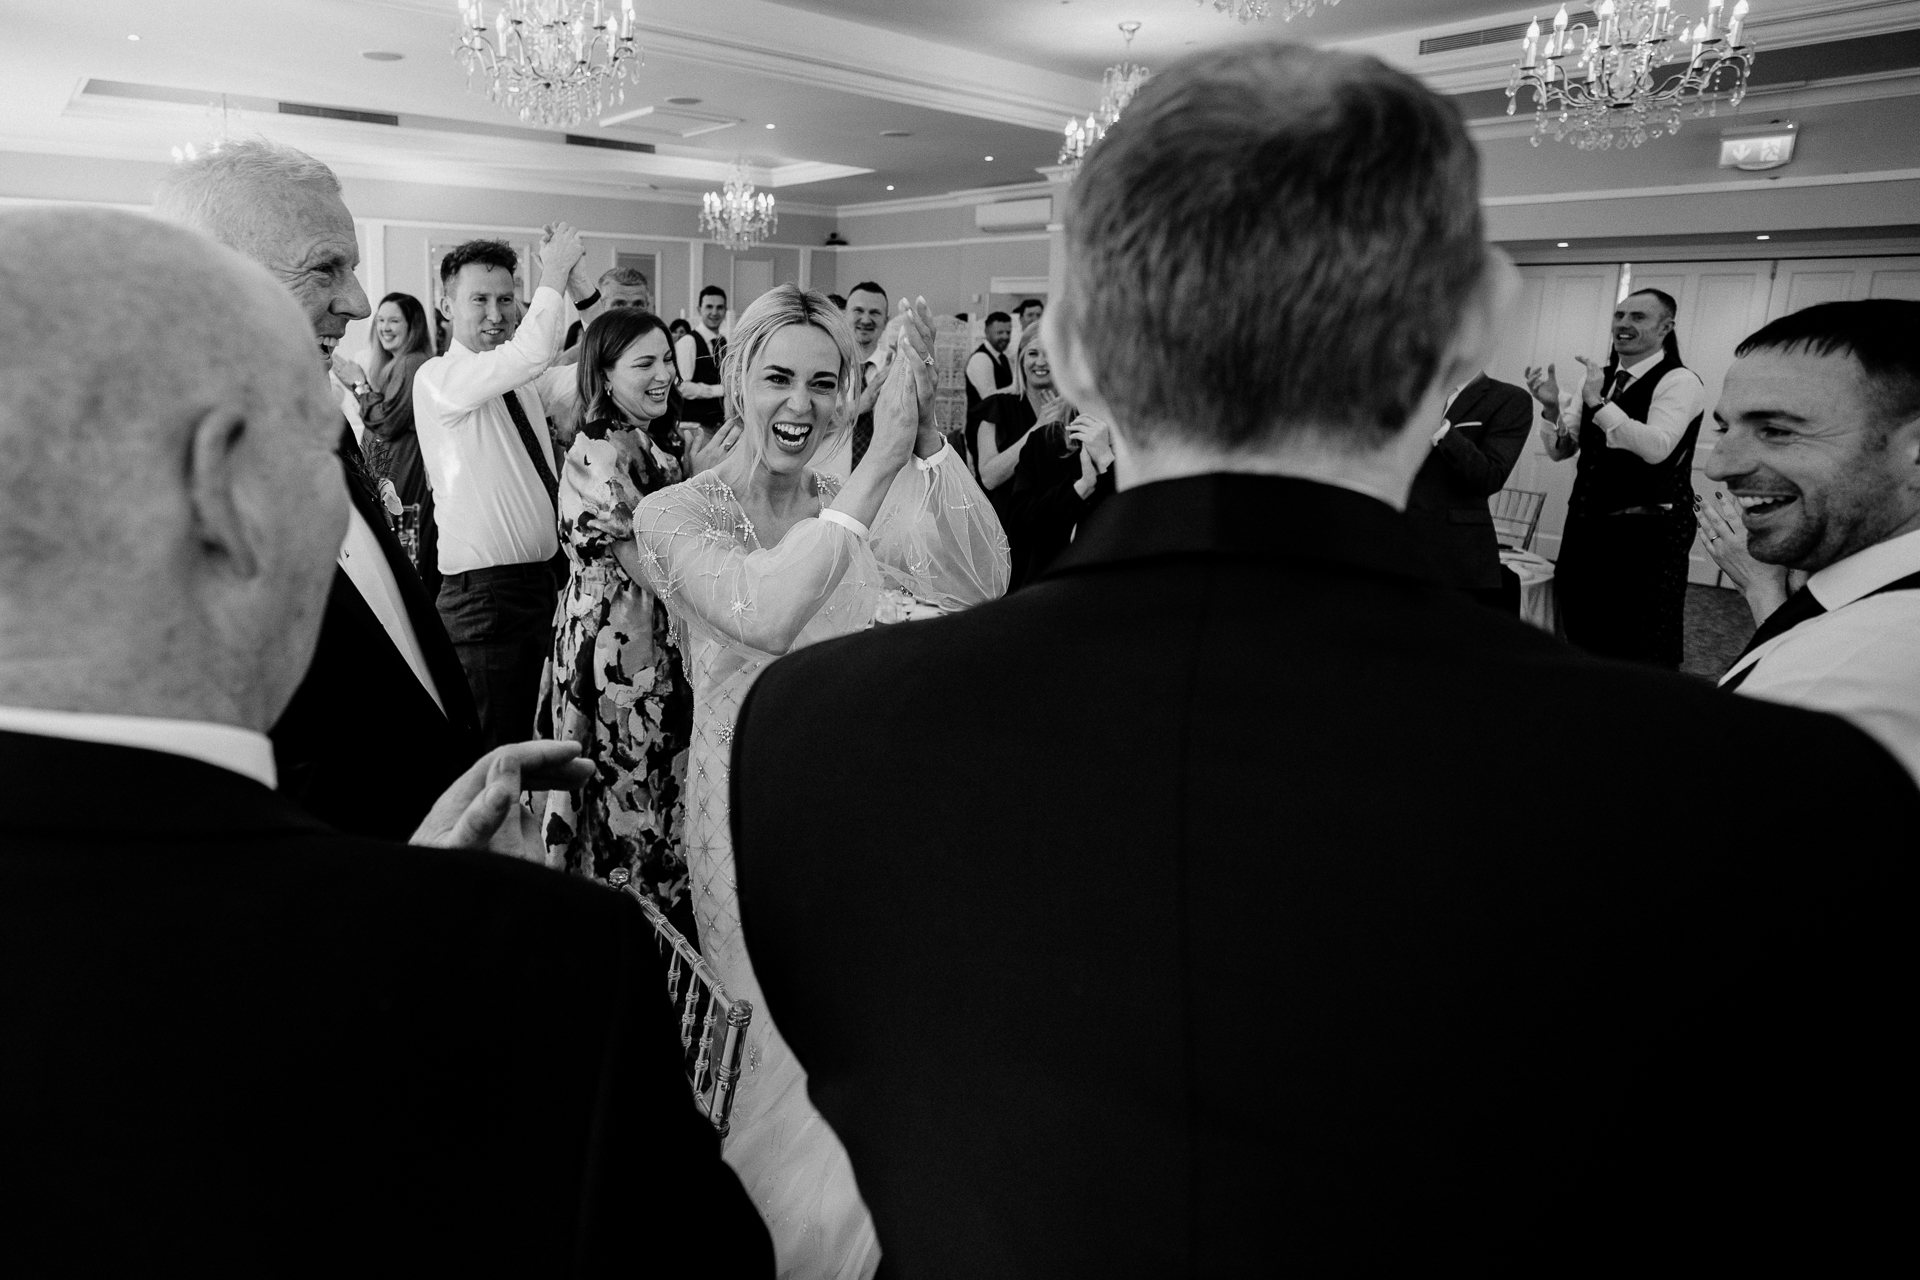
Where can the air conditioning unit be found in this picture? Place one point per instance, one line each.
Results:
(1014, 215)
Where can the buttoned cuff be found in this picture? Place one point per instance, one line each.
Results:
(1608, 417)
(847, 522)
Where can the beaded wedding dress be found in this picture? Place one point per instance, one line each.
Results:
(737, 605)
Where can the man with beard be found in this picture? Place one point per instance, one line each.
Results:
(1622, 572)
(1820, 456)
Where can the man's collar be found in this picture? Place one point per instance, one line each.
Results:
(1865, 572)
(1640, 368)
(1238, 513)
(243, 751)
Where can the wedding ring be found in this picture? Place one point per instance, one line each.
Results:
(927, 361)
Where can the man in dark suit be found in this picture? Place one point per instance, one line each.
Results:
(1474, 450)
(384, 721)
(1251, 958)
(239, 1042)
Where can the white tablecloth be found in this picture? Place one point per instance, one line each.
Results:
(1537, 604)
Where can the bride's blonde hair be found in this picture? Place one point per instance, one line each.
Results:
(771, 312)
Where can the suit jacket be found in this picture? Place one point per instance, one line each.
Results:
(239, 1043)
(1448, 504)
(1316, 919)
(363, 746)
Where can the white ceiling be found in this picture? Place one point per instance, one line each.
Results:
(966, 78)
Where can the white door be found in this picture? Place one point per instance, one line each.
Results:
(1807, 281)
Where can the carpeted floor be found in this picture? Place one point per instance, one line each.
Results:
(1718, 628)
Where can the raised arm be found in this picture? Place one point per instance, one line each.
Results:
(683, 547)
(464, 385)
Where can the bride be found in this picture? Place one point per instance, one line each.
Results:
(759, 556)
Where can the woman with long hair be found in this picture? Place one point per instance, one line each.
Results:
(402, 342)
(616, 684)
(1008, 420)
(758, 556)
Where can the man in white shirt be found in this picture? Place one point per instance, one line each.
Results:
(480, 414)
(1621, 578)
(698, 355)
(989, 372)
(867, 312)
(1820, 450)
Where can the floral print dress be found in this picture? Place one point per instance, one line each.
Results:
(615, 683)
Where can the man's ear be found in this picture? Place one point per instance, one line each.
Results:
(1072, 373)
(1479, 328)
(213, 476)
(444, 306)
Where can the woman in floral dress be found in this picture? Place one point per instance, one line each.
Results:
(759, 555)
(615, 684)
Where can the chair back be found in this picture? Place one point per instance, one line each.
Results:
(713, 1025)
(1516, 514)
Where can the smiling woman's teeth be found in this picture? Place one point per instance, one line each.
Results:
(791, 433)
(1765, 501)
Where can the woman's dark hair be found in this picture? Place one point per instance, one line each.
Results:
(419, 332)
(605, 341)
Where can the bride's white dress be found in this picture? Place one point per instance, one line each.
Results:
(737, 606)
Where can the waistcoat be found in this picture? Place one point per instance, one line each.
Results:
(1610, 480)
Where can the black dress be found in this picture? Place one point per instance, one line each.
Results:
(1009, 418)
(395, 455)
(1042, 507)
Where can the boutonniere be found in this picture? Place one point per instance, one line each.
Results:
(390, 499)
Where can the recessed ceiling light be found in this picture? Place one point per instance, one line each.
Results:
(989, 157)
(896, 133)
(889, 186)
(1561, 245)
(769, 125)
(1763, 237)
(684, 102)
(381, 55)
(133, 37)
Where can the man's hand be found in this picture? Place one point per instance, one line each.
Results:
(1545, 388)
(349, 373)
(559, 251)
(1596, 378)
(708, 449)
(482, 809)
(1559, 444)
(578, 285)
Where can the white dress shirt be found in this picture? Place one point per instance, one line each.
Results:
(1677, 401)
(980, 372)
(367, 568)
(1861, 658)
(488, 500)
(684, 354)
(228, 746)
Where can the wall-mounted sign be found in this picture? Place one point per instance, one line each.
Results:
(1758, 146)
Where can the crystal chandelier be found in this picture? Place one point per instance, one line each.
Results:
(1261, 10)
(551, 62)
(1117, 88)
(1622, 82)
(737, 218)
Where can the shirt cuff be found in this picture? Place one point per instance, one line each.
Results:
(845, 521)
(1609, 417)
(928, 464)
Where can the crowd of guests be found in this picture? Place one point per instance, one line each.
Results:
(1226, 975)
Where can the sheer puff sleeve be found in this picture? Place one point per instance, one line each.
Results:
(937, 538)
(688, 539)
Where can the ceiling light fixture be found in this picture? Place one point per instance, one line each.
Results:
(896, 133)
(1117, 88)
(381, 55)
(737, 217)
(1621, 82)
(989, 157)
(684, 102)
(550, 62)
(1260, 10)
(133, 37)
(889, 186)
(1561, 245)
(769, 125)
(1763, 237)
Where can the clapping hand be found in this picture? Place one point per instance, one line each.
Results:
(482, 809)
(708, 448)
(560, 250)
(1596, 379)
(1545, 388)
(903, 411)
(350, 374)
(1094, 439)
(1764, 585)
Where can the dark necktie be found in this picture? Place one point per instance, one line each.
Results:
(1620, 380)
(719, 349)
(1799, 607)
(534, 452)
(862, 436)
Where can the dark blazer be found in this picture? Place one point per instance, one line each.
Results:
(362, 746)
(239, 1043)
(1448, 504)
(1318, 919)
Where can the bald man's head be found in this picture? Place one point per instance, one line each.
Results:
(168, 482)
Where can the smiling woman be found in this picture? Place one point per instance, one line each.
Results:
(761, 555)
